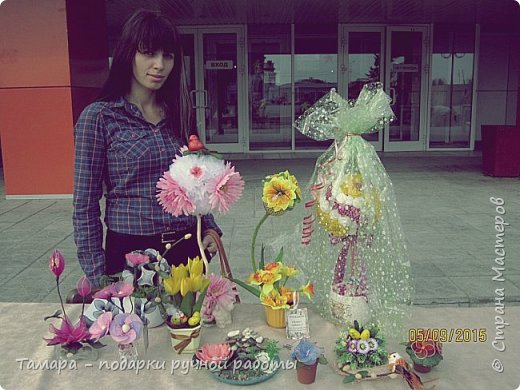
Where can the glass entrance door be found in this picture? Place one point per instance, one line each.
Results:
(363, 63)
(216, 83)
(395, 56)
(406, 78)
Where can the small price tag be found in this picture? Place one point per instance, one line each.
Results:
(297, 322)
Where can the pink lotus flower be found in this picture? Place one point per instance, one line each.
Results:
(214, 353)
(57, 263)
(83, 286)
(136, 258)
(68, 333)
(172, 197)
(101, 326)
(225, 189)
(115, 290)
(126, 328)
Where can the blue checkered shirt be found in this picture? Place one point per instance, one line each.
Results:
(117, 148)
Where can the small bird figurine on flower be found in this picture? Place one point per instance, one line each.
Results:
(194, 144)
(398, 365)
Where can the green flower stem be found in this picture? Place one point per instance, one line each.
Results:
(59, 294)
(253, 242)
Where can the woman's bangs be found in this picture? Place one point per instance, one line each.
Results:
(157, 36)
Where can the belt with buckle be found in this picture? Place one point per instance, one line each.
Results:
(169, 237)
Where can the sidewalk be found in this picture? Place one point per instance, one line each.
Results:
(443, 199)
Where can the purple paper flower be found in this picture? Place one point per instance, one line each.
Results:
(352, 346)
(372, 344)
(136, 258)
(57, 263)
(68, 333)
(83, 286)
(363, 347)
(126, 328)
(101, 326)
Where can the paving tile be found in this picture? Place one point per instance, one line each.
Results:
(482, 288)
(435, 290)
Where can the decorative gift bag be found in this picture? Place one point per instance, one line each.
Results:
(351, 240)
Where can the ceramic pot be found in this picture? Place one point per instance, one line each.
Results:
(306, 373)
(151, 312)
(274, 318)
(184, 340)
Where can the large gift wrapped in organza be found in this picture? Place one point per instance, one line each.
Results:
(351, 241)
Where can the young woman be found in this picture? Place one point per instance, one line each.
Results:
(125, 141)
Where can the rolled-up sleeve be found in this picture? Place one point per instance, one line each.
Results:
(89, 166)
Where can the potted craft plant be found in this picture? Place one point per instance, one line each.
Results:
(185, 291)
(70, 340)
(145, 270)
(269, 284)
(425, 354)
(123, 326)
(219, 302)
(307, 356)
(280, 193)
(360, 351)
(197, 183)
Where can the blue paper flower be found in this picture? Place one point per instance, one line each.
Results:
(306, 352)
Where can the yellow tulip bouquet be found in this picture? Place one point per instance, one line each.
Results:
(185, 289)
(280, 193)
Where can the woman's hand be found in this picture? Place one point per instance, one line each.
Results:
(209, 244)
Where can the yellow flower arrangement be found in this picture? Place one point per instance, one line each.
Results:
(269, 284)
(183, 284)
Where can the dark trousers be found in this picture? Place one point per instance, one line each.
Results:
(117, 245)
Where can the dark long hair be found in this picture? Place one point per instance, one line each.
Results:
(144, 31)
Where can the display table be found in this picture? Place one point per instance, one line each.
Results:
(465, 365)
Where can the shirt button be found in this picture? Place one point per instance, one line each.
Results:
(168, 229)
(163, 150)
(156, 130)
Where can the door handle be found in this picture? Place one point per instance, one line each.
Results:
(392, 96)
(205, 98)
(193, 97)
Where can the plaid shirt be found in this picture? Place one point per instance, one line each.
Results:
(116, 146)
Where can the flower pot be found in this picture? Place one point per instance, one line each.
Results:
(346, 309)
(420, 368)
(151, 311)
(184, 340)
(275, 318)
(127, 351)
(306, 373)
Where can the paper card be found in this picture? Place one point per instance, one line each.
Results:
(297, 324)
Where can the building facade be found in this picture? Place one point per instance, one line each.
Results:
(255, 66)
